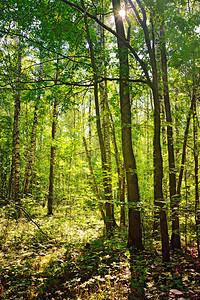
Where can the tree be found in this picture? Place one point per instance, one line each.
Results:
(53, 147)
(15, 170)
(135, 230)
(196, 172)
(83, 38)
(31, 154)
(175, 239)
(110, 221)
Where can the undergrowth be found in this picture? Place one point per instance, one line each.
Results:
(70, 261)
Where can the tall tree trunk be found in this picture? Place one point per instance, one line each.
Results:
(94, 181)
(103, 89)
(157, 154)
(186, 212)
(183, 158)
(157, 66)
(106, 133)
(52, 157)
(120, 172)
(15, 169)
(175, 238)
(110, 221)
(31, 152)
(158, 176)
(29, 164)
(196, 174)
(122, 183)
(90, 125)
(16, 151)
(184, 144)
(135, 228)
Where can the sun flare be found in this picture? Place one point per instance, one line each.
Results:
(122, 13)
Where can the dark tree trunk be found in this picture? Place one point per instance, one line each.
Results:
(178, 192)
(52, 158)
(196, 173)
(16, 151)
(122, 197)
(94, 182)
(120, 172)
(135, 229)
(106, 134)
(29, 165)
(158, 176)
(106, 183)
(158, 163)
(90, 125)
(15, 169)
(175, 238)
(31, 151)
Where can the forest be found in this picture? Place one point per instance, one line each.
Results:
(99, 149)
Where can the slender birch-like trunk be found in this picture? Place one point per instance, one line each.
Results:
(52, 157)
(15, 169)
(31, 152)
(107, 194)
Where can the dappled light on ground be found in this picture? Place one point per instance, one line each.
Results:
(73, 266)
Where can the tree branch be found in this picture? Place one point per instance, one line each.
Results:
(126, 43)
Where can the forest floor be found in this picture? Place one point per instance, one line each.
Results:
(80, 263)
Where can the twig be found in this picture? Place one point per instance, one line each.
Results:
(29, 217)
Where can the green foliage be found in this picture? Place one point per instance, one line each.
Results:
(54, 262)
(78, 263)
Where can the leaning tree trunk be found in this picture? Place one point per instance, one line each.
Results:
(178, 191)
(157, 154)
(120, 172)
(157, 64)
(196, 174)
(52, 158)
(135, 228)
(106, 130)
(175, 238)
(103, 91)
(15, 169)
(31, 152)
(29, 165)
(110, 222)
(158, 176)
(94, 182)
(16, 151)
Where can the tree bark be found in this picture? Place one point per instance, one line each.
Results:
(52, 158)
(120, 172)
(103, 89)
(94, 181)
(196, 173)
(135, 229)
(106, 134)
(29, 165)
(158, 176)
(178, 192)
(110, 222)
(157, 155)
(175, 238)
(15, 169)
(31, 152)
(16, 151)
